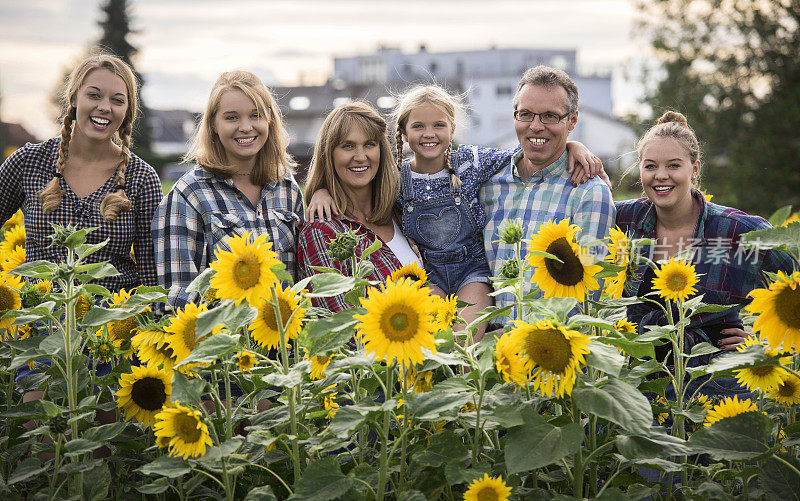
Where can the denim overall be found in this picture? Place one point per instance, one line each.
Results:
(448, 237)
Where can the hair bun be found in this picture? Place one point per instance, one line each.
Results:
(673, 116)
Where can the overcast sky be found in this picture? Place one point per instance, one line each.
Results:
(185, 44)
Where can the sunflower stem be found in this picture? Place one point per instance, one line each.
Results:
(403, 437)
(478, 428)
(578, 465)
(228, 416)
(518, 284)
(384, 466)
(292, 390)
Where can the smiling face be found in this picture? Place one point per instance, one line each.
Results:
(543, 144)
(428, 133)
(101, 105)
(666, 172)
(241, 129)
(356, 160)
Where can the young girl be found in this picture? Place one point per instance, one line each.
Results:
(88, 177)
(242, 182)
(438, 200)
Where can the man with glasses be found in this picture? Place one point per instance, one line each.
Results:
(535, 187)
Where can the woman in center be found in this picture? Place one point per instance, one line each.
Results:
(353, 161)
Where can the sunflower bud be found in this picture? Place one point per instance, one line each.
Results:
(510, 268)
(31, 298)
(58, 424)
(82, 305)
(343, 246)
(511, 233)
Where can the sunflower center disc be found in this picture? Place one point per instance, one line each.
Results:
(7, 296)
(125, 329)
(399, 323)
(186, 428)
(246, 272)
(787, 306)
(787, 388)
(549, 349)
(148, 393)
(570, 271)
(764, 370)
(676, 281)
(488, 494)
(189, 333)
(269, 313)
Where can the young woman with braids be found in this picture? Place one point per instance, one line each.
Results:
(437, 202)
(88, 177)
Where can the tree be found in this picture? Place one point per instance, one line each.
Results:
(733, 68)
(116, 28)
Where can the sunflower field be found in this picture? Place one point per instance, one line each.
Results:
(253, 393)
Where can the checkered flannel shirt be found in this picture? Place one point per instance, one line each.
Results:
(29, 169)
(726, 271)
(203, 209)
(547, 195)
(312, 250)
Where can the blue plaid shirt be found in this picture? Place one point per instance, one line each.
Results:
(726, 272)
(546, 195)
(203, 209)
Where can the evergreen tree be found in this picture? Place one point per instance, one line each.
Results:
(116, 28)
(733, 68)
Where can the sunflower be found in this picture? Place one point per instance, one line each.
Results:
(553, 354)
(82, 306)
(103, 348)
(791, 219)
(398, 322)
(419, 382)
(14, 221)
(446, 312)
(185, 430)
(707, 196)
(143, 392)
(318, 365)
(246, 360)
(181, 331)
(415, 272)
(619, 253)
(44, 286)
(244, 273)
(162, 442)
(265, 327)
(153, 348)
(574, 275)
(675, 280)
(123, 330)
(10, 285)
(328, 401)
(778, 310)
(787, 391)
(487, 489)
(729, 407)
(661, 416)
(509, 362)
(13, 258)
(16, 332)
(761, 377)
(625, 326)
(13, 238)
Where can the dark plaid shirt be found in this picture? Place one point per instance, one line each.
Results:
(28, 170)
(203, 209)
(312, 250)
(726, 272)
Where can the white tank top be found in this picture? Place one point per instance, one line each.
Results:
(401, 248)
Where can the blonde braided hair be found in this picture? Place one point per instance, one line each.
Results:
(50, 196)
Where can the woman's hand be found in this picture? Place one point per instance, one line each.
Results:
(321, 206)
(583, 164)
(734, 338)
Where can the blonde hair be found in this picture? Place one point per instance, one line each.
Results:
(421, 95)
(272, 161)
(116, 201)
(673, 125)
(322, 173)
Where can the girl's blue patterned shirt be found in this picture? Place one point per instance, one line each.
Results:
(203, 209)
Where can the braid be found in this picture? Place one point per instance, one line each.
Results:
(50, 196)
(398, 137)
(116, 201)
(454, 179)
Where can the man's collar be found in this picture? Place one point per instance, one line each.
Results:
(554, 169)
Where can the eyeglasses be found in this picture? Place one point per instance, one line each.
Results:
(547, 118)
